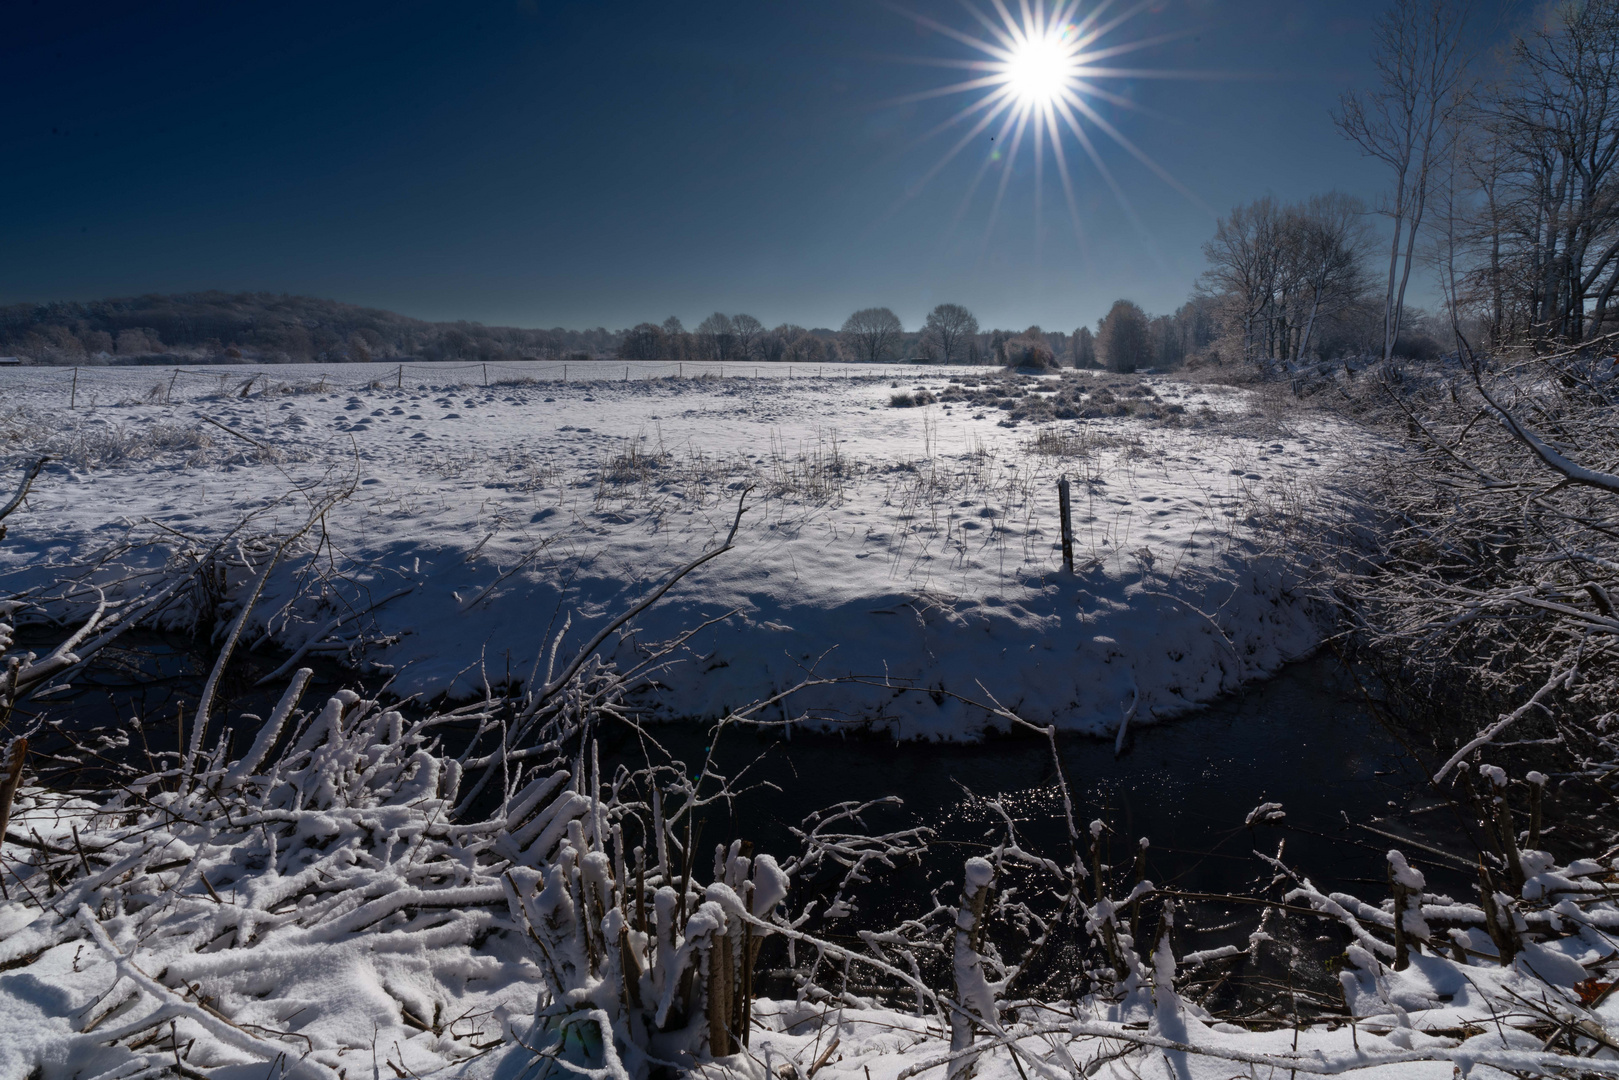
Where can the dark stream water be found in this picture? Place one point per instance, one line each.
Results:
(1306, 739)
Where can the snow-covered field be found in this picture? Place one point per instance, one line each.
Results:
(913, 546)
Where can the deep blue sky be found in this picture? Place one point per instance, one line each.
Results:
(556, 163)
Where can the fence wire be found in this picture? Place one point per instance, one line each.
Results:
(91, 384)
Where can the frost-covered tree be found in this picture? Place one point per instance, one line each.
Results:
(136, 341)
(1030, 349)
(1123, 342)
(772, 344)
(1544, 170)
(1244, 261)
(1324, 244)
(947, 330)
(1084, 349)
(1277, 273)
(872, 333)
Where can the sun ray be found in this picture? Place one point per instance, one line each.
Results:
(1067, 181)
(1006, 170)
(1083, 27)
(949, 31)
(938, 61)
(1133, 150)
(1039, 177)
(1008, 42)
(961, 144)
(983, 171)
(943, 91)
(1089, 89)
(1114, 23)
(1131, 46)
(992, 102)
(1196, 74)
(1101, 167)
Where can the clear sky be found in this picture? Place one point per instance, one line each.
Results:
(535, 163)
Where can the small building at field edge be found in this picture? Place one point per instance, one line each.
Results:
(10, 361)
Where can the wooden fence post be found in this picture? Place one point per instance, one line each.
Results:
(1067, 525)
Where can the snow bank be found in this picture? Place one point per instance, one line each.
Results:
(890, 547)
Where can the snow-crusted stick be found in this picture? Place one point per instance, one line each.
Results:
(313, 639)
(1572, 471)
(545, 692)
(22, 492)
(199, 721)
(1410, 930)
(271, 730)
(71, 652)
(217, 1026)
(973, 994)
(1561, 680)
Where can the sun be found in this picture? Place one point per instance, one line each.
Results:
(1041, 79)
(1040, 69)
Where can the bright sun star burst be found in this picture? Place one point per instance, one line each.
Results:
(1039, 77)
(1040, 68)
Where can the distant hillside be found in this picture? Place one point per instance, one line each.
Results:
(266, 328)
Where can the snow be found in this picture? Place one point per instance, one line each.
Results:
(902, 547)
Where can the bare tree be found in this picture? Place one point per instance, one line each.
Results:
(948, 328)
(1277, 274)
(802, 346)
(1556, 118)
(747, 330)
(1243, 266)
(1407, 121)
(644, 342)
(872, 333)
(772, 344)
(1166, 343)
(716, 337)
(1326, 242)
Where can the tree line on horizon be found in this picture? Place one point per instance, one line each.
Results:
(950, 334)
(269, 328)
(275, 328)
